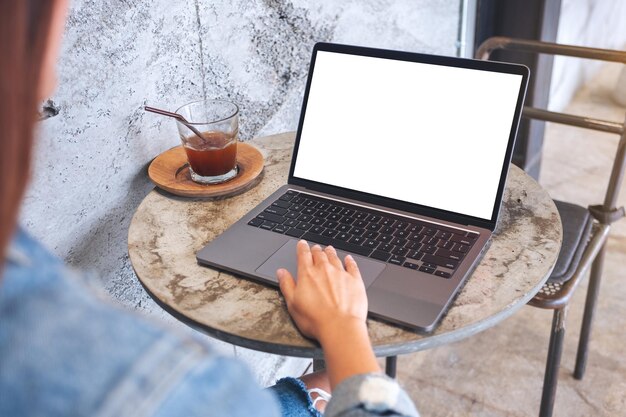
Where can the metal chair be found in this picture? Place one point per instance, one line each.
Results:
(585, 230)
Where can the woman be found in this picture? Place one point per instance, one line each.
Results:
(64, 350)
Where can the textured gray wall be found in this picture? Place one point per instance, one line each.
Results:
(90, 169)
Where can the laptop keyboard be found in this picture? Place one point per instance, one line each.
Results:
(414, 244)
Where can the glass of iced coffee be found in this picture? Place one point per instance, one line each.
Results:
(212, 148)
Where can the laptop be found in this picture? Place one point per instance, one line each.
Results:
(401, 160)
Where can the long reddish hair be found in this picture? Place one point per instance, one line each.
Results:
(24, 28)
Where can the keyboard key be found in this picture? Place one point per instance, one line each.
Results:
(429, 231)
(316, 221)
(334, 209)
(380, 255)
(330, 224)
(347, 212)
(384, 238)
(305, 218)
(281, 203)
(309, 210)
(374, 218)
(371, 235)
(439, 261)
(298, 200)
(426, 269)
(256, 222)
(280, 229)
(398, 241)
(310, 203)
(410, 265)
(415, 229)
(357, 231)
(343, 228)
(372, 244)
(323, 206)
(357, 240)
(431, 241)
(413, 245)
(401, 233)
(287, 197)
(385, 247)
(461, 239)
(374, 227)
(304, 226)
(292, 214)
(360, 223)
(461, 248)
(346, 220)
(387, 221)
(415, 255)
(472, 235)
(443, 235)
(267, 225)
(429, 249)
(416, 237)
(343, 236)
(318, 230)
(294, 232)
(429, 265)
(443, 274)
(276, 210)
(360, 215)
(455, 256)
(337, 244)
(401, 224)
(400, 251)
(329, 233)
(396, 260)
(296, 207)
(291, 223)
(321, 214)
(448, 245)
(441, 243)
(334, 217)
(388, 230)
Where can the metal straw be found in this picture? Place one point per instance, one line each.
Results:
(175, 116)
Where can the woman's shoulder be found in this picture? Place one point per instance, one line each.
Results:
(64, 345)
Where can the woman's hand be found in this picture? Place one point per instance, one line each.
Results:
(326, 295)
(329, 303)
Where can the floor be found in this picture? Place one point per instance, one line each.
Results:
(500, 371)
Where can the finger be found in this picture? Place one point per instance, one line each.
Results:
(331, 253)
(319, 257)
(352, 267)
(305, 260)
(286, 283)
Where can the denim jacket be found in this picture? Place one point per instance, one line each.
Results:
(67, 350)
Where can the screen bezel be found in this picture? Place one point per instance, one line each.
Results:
(427, 59)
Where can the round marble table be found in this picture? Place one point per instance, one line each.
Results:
(167, 231)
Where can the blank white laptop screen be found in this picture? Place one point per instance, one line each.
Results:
(426, 134)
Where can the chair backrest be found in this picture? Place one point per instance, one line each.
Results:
(607, 212)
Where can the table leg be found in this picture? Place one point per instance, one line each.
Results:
(390, 366)
(319, 365)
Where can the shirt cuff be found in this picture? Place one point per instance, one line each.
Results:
(370, 394)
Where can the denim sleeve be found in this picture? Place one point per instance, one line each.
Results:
(221, 387)
(370, 395)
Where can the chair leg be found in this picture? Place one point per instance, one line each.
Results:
(552, 364)
(391, 363)
(590, 306)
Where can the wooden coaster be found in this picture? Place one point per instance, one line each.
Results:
(170, 172)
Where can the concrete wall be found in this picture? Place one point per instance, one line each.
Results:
(90, 168)
(592, 23)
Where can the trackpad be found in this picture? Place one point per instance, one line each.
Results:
(285, 257)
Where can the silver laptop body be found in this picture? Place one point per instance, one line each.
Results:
(397, 154)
